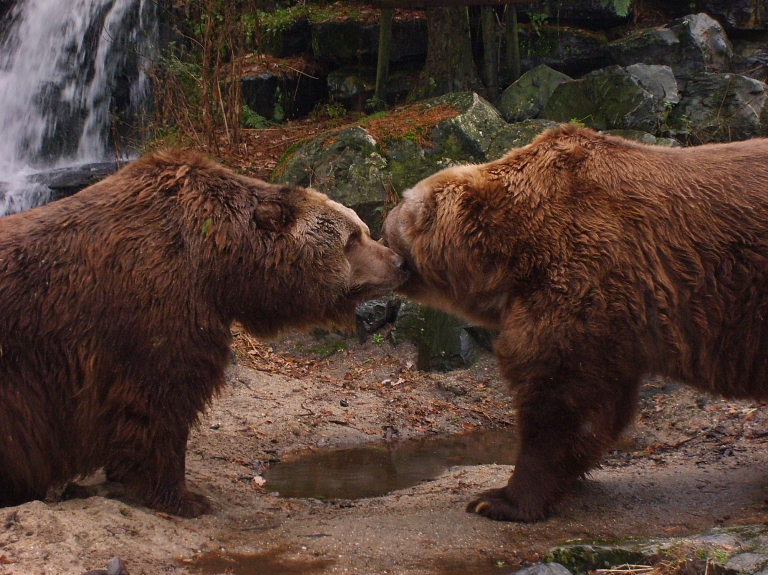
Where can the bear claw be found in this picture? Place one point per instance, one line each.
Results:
(497, 505)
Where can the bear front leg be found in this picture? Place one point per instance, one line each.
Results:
(156, 474)
(564, 427)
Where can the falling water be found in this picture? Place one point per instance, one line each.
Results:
(66, 69)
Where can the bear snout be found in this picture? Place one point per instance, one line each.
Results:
(375, 269)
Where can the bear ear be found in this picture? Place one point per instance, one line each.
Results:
(273, 214)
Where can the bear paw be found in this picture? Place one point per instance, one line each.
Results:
(496, 504)
(186, 504)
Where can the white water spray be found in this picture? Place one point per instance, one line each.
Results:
(61, 64)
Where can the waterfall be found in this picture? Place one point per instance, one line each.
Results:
(66, 70)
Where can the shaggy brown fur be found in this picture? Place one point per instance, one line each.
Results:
(116, 308)
(600, 261)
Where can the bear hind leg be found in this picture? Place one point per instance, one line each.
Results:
(564, 427)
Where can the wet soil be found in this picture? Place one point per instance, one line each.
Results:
(691, 462)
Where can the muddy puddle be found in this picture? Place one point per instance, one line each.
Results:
(379, 469)
(269, 563)
(273, 563)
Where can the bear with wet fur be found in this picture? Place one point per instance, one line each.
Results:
(600, 261)
(117, 304)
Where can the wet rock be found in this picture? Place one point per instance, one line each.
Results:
(691, 45)
(115, 566)
(444, 343)
(582, 558)
(442, 340)
(516, 136)
(610, 98)
(544, 569)
(409, 323)
(643, 137)
(727, 551)
(747, 562)
(64, 182)
(373, 315)
(527, 96)
(719, 108)
(658, 80)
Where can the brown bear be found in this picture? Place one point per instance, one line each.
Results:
(600, 261)
(117, 304)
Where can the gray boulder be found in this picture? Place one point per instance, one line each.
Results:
(610, 98)
(658, 80)
(691, 45)
(643, 138)
(346, 166)
(527, 96)
(465, 138)
(353, 168)
(719, 108)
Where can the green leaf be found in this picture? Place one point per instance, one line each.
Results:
(206, 225)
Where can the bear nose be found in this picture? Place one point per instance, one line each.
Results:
(402, 264)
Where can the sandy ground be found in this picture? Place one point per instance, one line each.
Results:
(690, 463)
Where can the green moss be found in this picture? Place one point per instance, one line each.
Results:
(287, 155)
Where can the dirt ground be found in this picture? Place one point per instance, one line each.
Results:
(690, 463)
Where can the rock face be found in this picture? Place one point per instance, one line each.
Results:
(587, 13)
(573, 52)
(352, 42)
(280, 97)
(738, 14)
(719, 108)
(691, 45)
(353, 168)
(527, 96)
(611, 98)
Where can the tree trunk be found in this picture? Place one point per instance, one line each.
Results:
(449, 66)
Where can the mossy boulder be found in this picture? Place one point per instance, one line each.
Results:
(346, 166)
(527, 96)
(442, 340)
(357, 170)
(720, 108)
(726, 551)
(517, 135)
(610, 98)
